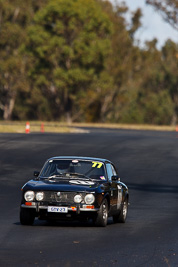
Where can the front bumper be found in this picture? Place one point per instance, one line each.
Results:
(70, 208)
(73, 212)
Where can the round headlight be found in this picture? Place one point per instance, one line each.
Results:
(78, 198)
(39, 196)
(29, 196)
(89, 198)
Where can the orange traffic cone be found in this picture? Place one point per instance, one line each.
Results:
(42, 128)
(177, 128)
(27, 128)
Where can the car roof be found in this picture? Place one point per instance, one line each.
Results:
(81, 158)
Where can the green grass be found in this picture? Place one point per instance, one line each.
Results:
(127, 126)
(20, 127)
(59, 127)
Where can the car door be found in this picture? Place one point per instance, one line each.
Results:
(119, 188)
(113, 189)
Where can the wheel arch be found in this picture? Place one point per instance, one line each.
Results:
(108, 200)
(126, 197)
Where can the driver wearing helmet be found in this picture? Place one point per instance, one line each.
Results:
(62, 167)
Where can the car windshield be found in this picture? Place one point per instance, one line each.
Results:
(59, 168)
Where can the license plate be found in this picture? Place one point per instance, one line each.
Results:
(58, 209)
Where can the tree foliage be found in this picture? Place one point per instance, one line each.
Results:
(68, 44)
(14, 18)
(76, 60)
(168, 10)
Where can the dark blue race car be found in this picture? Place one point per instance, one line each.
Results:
(75, 188)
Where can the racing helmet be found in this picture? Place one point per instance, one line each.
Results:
(62, 166)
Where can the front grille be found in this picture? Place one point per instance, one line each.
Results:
(62, 197)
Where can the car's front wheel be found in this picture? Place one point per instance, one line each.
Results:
(121, 217)
(27, 216)
(102, 216)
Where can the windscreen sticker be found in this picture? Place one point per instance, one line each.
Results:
(102, 177)
(97, 164)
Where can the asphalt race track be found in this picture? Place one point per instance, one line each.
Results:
(147, 162)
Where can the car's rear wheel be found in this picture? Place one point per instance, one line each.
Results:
(102, 216)
(27, 216)
(121, 217)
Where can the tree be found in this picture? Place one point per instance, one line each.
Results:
(77, 59)
(109, 101)
(153, 97)
(123, 66)
(170, 65)
(168, 10)
(14, 17)
(67, 46)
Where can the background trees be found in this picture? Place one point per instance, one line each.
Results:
(68, 44)
(15, 16)
(77, 61)
(168, 9)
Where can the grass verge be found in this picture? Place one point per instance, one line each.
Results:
(59, 127)
(20, 127)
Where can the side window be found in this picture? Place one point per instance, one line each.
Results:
(109, 171)
(113, 170)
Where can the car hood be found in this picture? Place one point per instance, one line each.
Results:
(62, 185)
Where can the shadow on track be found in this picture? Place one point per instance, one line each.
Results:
(63, 223)
(154, 187)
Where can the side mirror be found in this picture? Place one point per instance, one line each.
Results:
(115, 178)
(36, 173)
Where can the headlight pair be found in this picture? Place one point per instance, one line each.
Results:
(30, 195)
(89, 199)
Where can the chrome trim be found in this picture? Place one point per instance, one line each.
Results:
(43, 207)
(84, 209)
(46, 207)
(81, 209)
(29, 207)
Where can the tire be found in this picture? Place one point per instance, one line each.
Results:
(121, 217)
(102, 216)
(27, 216)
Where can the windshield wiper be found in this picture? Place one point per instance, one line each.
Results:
(78, 174)
(70, 174)
(81, 175)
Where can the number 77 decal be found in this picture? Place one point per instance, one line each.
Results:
(97, 164)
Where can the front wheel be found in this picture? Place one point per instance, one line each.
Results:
(102, 216)
(27, 216)
(121, 218)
